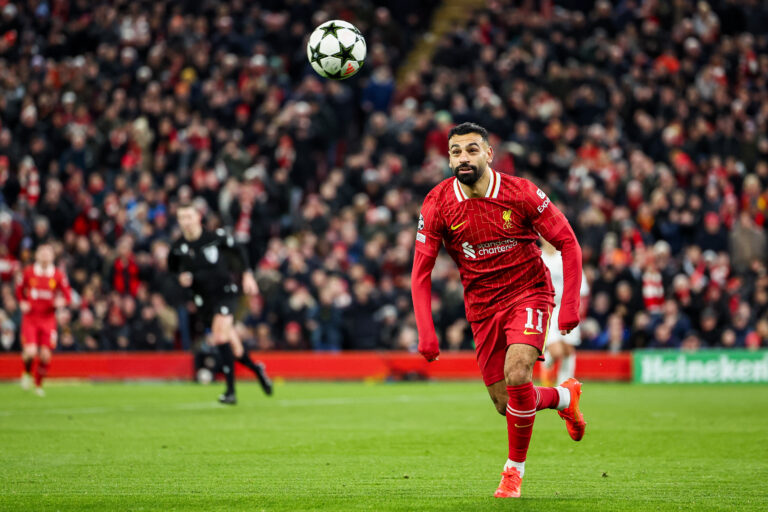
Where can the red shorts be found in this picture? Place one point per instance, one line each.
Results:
(38, 331)
(526, 322)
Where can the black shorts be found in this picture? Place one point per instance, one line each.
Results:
(222, 305)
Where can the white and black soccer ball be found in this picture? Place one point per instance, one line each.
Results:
(336, 50)
(204, 376)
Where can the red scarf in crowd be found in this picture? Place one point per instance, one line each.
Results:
(119, 283)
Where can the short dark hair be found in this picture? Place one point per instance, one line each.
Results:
(183, 205)
(465, 128)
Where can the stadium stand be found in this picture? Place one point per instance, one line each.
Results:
(644, 121)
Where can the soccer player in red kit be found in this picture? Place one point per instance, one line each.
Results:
(43, 288)
(489, 224)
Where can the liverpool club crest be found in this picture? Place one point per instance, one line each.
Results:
(507, 216)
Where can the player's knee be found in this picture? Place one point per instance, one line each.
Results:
(518, 373)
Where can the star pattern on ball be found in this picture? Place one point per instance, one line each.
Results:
(333, 29)
(345, 53)
(315, 53)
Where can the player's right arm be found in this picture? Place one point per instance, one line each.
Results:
(173, 260)
(21, 286)
(428, 240)
(174, 267)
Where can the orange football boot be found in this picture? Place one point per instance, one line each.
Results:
(510, 484)
(574, 420)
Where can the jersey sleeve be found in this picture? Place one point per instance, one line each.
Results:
(544, 216)
(228, 242)
(429, 233)
(174, 263)
(421, 292)
(63, 285)
(21, 285)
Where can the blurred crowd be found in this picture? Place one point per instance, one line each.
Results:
(645, 121)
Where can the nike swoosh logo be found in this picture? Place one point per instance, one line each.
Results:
(523, 426)
(457, 226)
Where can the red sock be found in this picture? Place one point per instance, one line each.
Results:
(40, 372)
(521, 411)
(546, 398)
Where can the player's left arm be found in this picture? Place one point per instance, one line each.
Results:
(550, 222)
(64, 288)
(250, 287)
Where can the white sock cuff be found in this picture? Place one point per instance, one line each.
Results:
(565, 398)
(567, 368)
(519, 465)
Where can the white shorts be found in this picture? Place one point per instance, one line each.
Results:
(553, 335)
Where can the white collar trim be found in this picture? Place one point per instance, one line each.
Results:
(40, 272)
(492, 192)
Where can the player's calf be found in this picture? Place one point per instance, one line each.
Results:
(499, 396)
(501, 405)
(41, 372)
(521, 414)
(26, 376)
(227, 368)
(26, 381)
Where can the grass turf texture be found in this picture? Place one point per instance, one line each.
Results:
(354, 446)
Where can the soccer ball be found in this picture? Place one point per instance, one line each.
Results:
(336, 50)
(204, 376)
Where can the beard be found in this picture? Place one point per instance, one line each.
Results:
(467, 178)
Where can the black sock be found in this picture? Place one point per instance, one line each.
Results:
(28, 365)
(228, 366)
(246, 361)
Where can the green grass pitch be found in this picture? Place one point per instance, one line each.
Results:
(355, 446)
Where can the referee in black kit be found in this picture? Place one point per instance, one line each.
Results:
(203, 259)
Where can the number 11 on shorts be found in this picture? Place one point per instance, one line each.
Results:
(539, 321)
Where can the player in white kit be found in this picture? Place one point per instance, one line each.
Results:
(559, 347)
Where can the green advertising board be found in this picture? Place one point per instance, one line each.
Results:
(706, 366)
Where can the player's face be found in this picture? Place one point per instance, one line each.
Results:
(189, 220)
(469, 156)
(44, 255)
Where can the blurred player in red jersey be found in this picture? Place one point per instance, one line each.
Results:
(43, 289)
(489, 224)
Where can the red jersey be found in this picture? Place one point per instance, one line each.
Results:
(492, 239)
(39, 287)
